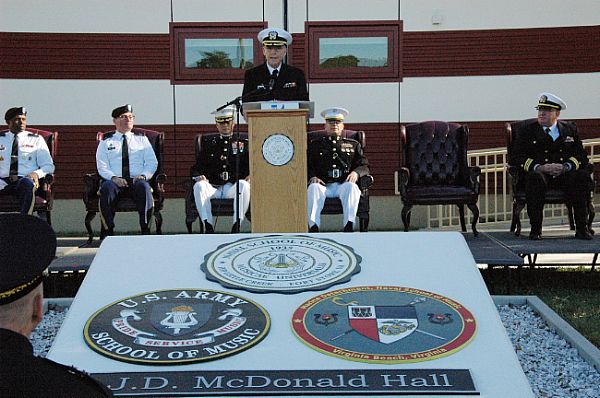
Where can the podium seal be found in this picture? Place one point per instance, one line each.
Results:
(278, 149)
(384, 324)
(281, 264)
(175, 327)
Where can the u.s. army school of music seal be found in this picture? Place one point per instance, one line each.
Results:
(281, 264)
(384, 324)
(180, 326)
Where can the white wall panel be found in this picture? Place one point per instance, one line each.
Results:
(482, 98)
(85, 16)
(195, 103)
(367, 103)
(350, 10)
(506, 14)
(217, 11)
(296, 16)
(273, 10)
(73, 102)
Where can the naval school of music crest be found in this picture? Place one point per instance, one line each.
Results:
(384, 324)
(179, 326)
(281, 264)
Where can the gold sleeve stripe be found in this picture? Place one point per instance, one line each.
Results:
(528, 163)
(575, 161)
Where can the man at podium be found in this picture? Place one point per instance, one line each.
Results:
(335, 164)
(274, 80)
(214, 173)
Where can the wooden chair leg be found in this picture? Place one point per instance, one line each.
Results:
(461, 212)
(475, 210)
(158, 219)
(591, 215)
(518, 207)
(406, 216)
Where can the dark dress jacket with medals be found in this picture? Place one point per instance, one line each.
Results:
(289, 86)
(217, 159)
(24, 375)
(332, 158)
(535, 146)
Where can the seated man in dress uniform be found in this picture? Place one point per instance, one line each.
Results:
(126, 162)
(274, 80)
(28, 245)
(214, 173)
(552, 155)
(334, 166)
(24, 159)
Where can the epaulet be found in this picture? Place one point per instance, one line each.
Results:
(3, 133)
(30, 134)
(108, 135)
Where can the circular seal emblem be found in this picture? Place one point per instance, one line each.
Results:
(384, 324)
(173, 327)
(278, 149)
(281, 264)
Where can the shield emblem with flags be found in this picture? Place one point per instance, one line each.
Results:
(384, 324)
(177, 319)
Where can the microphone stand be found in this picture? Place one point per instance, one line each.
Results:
(237, 102)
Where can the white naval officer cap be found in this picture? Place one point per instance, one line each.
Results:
(549, 100)
(335, 113)
(225, 114)
(274, 37)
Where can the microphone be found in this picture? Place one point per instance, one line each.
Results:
(273, 79)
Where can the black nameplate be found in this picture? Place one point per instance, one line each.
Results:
(291, 382)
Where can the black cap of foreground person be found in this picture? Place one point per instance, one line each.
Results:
(27, 246)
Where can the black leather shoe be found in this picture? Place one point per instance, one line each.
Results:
(145, 231)
(235, 229)
(208, 228)
(583, 234)
(106, 232)
(535, 235)
(314, 228)
(349, 227)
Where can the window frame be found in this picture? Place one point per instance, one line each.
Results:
(180, 31)
(392, 29)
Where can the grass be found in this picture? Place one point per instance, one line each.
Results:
(573, 293)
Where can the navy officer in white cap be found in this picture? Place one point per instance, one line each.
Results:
(552, 155)
(335, 164)
(126, 162)
(214, 173)
(24, 159)
(274, 80)
(28, 245)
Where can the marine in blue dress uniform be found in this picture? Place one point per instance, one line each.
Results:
(28, 245)
(126, 162)
(274, 80)
(335, 164)
(214, 173)
(24, 159)
(552, 155)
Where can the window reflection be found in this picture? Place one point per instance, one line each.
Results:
(352, 52)
(219, 53)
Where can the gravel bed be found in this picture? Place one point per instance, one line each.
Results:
(553, 367)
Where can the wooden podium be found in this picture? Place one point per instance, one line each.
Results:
(278, 174)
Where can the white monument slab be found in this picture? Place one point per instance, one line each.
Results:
(436, 262)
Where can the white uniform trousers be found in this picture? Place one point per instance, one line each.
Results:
(349, 195)
(204, 192)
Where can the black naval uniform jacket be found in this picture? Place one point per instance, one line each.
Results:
(216, 160)
(332, 158)
(289, 86)
(535, 146)
(24, 375)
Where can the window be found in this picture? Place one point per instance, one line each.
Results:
(354, 51)
(213, 52)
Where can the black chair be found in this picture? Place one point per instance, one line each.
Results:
(126, 204)
(334, 205)
(434, 169)
(553, 196)
(44, 197)
(220, 207)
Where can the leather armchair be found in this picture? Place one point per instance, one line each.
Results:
(517, 176)
(44, 196)
(126, 204)
(434, 169)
